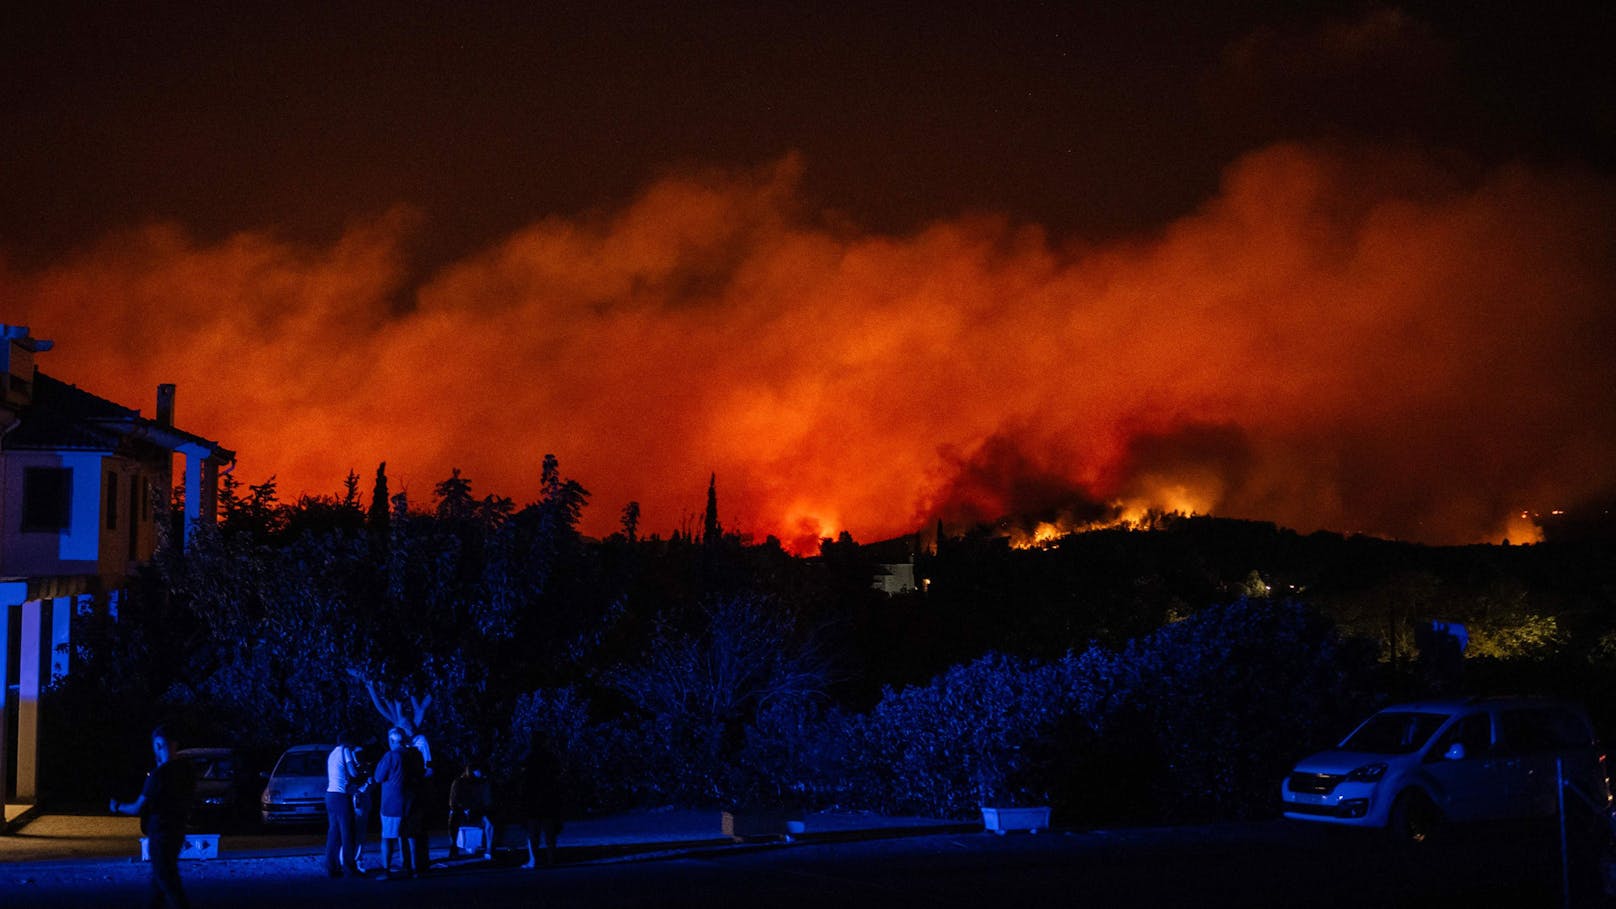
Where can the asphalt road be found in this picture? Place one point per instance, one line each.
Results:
(1269, 864)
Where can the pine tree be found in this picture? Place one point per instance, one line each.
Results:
(454, 497)
(350, 490)
(631, 520)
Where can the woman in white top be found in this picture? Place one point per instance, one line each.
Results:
(341, 772)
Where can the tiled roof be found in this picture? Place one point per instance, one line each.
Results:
(74, 403)
(64, 416)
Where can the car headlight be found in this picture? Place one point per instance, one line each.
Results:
(273, 795)
(1368, 773)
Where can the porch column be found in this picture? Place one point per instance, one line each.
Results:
(194, 458)
(201, 487)
(6, 607)
(30, 670)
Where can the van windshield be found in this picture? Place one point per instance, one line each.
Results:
(1394, 733)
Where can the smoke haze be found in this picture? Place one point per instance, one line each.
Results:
(1339, 339)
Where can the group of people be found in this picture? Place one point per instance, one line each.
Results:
(164, 807)
(401, 776)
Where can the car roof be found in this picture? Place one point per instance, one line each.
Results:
(1455, 705)
(309, 748)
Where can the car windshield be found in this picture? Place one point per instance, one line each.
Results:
(1394, 733)
(210, 767)
(301, 763)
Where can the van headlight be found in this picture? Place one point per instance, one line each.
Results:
(1368, 773)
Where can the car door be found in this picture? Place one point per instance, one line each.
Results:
(1533, 738)
(1471, 787)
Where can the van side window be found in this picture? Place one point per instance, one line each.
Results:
(1542, 729)
(1474, 732)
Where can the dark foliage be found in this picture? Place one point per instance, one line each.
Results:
(1169, 674)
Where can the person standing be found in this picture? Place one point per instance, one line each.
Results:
(543, 799)
(425, 791)
(363, 804)
(342, 777)
(164, 807)
(471, 801)
(398, 773)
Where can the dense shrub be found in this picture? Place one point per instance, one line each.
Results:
(1232, 696)
(948, 747)
(700, 687)
(1206, 714)
(593, 758)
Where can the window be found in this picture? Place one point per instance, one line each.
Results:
(112, 501)
(1474, 732)
(1543, 729)
(47, 494)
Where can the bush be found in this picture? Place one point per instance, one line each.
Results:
(1199, 719)
(1232, 696)
(946, 748)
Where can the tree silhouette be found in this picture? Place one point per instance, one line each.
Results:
(711, 531)
(378, 518)
(631, 521)
(454, 498)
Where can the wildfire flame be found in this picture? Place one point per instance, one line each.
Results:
(1335, 340)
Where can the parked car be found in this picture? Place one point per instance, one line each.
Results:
(221, 788)
(295, 792)
(1412, 767)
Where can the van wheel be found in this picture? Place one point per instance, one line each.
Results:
(1413, 818)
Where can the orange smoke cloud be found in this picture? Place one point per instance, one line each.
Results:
(1335, 340)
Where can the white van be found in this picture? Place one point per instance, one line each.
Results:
(295, 792)
(1414, 766)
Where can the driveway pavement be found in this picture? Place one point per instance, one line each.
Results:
(1264, 865)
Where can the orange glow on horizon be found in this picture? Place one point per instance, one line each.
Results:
(1334, 340)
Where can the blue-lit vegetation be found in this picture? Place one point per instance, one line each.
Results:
(1170, 674)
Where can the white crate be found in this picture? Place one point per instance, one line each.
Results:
(1002, 820)
(199, 846)
(469, 839)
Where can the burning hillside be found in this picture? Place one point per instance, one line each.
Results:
(1338, 340)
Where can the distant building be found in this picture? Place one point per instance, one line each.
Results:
(83, 484)
(895, 578)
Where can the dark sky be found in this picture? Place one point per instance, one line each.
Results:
(1091, 119)
(1336, 265)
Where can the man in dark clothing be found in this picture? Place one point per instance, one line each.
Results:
(164, 807)
(543, 798)
(399, 773)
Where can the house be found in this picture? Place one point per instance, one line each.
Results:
(893, 578)
(84, 482)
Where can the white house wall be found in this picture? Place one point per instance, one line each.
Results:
(77, 549)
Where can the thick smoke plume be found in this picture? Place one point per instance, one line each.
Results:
(1338, 339)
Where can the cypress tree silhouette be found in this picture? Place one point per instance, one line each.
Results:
(379, 519)
(711, 531)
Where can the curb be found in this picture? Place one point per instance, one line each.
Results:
(649, 852)
(586, 855)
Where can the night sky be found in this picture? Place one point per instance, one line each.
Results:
(1341, 266)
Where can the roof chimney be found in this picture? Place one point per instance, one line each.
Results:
(165, 404)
